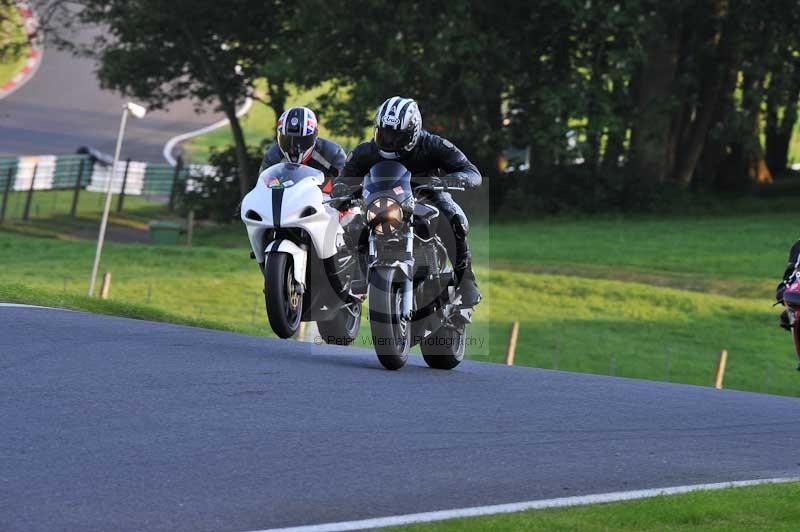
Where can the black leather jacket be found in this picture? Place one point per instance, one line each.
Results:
(431, 155)
(328, 157)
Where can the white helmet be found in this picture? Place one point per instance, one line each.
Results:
(398, 123)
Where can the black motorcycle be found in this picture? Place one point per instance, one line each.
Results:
(412, 287)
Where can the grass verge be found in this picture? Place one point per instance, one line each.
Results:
(772, 507)
(646, 298)
(12, 31)
(20, 294)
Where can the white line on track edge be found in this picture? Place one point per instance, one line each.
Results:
(18, 305)
(174, 141)
(563, 502)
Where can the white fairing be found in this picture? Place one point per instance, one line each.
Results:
(292, 201)
(299, 257)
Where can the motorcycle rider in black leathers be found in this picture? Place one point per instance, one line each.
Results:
(399, 136)
(299, 143)
(790, 275)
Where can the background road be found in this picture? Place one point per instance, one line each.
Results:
(63, 108)
(115, 424)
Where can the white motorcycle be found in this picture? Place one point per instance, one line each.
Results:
(299, 244)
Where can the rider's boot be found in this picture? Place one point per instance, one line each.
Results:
(468, 287)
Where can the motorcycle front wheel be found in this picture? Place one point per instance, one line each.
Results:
(284, 303)
(391, 333)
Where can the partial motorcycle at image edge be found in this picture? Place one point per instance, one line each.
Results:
(791, 299)
(386, 246)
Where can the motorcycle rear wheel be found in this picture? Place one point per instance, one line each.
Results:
(284, 304)
(391, 333)
(443, 349)
(343, 329)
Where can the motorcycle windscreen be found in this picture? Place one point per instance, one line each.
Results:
(285, 175)
(388, 178)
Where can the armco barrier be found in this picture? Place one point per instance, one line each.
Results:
(50, 172)
(28, 175)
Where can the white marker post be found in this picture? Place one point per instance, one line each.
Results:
(137, 111)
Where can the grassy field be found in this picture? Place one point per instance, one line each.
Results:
(259, 124)
(771, 508)
(18, 293)
(45, 205)
(12, 31)
(645, 298)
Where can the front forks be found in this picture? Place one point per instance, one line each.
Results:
(406, 266)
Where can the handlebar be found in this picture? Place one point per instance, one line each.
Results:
(439, 188)
(340, 198)
(437, 185)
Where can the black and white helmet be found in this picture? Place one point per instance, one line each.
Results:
(297, 134)
(398, 123)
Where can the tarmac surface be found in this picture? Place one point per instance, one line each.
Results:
(63, 108)
(118, 424)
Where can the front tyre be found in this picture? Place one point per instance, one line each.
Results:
(444, 349)
(284, 303)
(343, 329)
(391, 332)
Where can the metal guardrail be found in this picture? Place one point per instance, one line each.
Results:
(27, 177)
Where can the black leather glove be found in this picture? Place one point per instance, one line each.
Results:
(340, 190)
(456, 181)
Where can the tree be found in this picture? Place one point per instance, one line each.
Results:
(782, 102)
(782, 55)
(436, 52)
(607, 95)
(206, 50)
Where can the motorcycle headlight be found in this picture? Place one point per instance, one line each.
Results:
(385, 216)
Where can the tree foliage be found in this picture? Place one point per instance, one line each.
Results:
(629, 97)
(651, 93)
(216, 195)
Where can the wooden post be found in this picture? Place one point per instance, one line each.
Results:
(121, 200)
(174, 190)
(190, 228)
(74, 211)
(106, 286)
(512, 343)
(29, 200)
(6, 192)
(723, 361)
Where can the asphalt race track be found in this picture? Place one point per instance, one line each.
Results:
(116, 424)
(63, 108)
